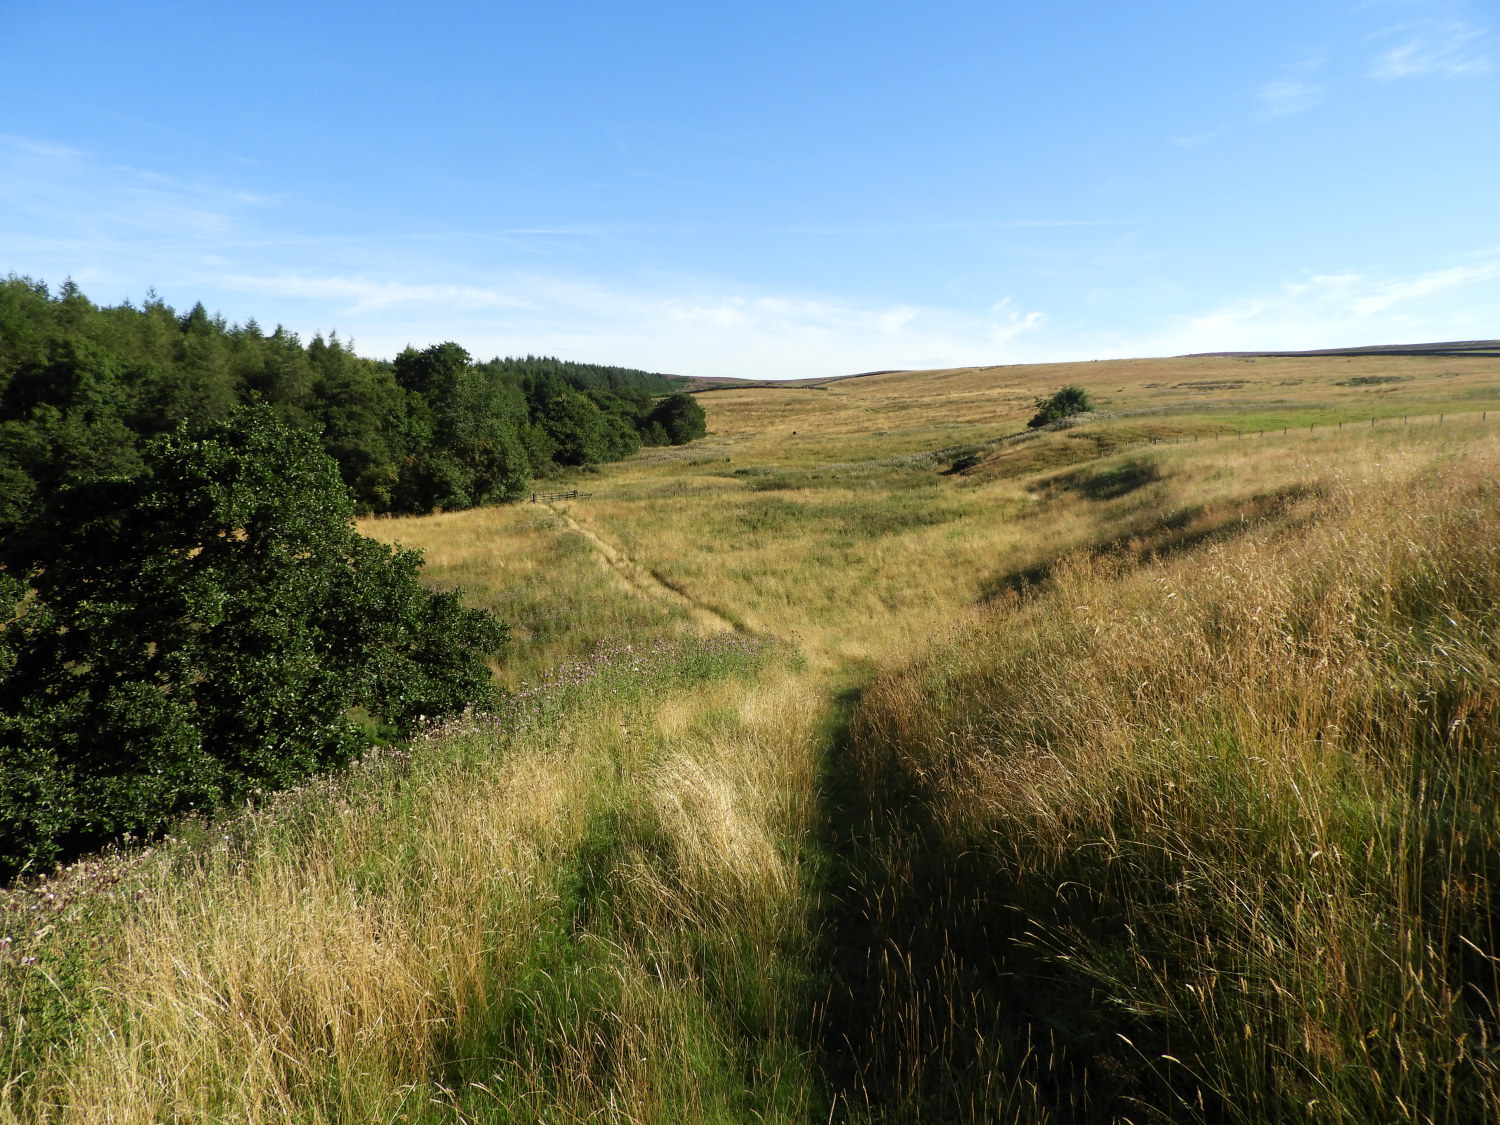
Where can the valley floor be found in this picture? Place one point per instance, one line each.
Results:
(878, 759)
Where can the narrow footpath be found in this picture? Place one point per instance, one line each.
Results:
(643, 581)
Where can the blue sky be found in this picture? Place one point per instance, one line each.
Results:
(770, 189)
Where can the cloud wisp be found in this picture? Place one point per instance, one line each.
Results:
(961, 225)
(677, 326)
(1448, 48)
(1337, 309)
(357, 295)
(1284, 97)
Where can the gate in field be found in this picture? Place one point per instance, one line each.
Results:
(548, 497)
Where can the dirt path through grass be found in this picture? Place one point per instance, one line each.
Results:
(643, 580)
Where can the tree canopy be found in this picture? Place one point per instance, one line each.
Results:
(202, 626)
(83, 388)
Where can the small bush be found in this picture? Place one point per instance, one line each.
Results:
(1065, 403)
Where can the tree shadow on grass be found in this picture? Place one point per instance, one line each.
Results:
(937, 1006)
(1159, 537)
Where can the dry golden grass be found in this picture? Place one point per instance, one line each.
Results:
(972, 403)
(539, 924)
(1218, 831)
(544, 579)
(627, 909)
(860, 560)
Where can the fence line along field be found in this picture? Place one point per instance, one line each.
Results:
(877, 758)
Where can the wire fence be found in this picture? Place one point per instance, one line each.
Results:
(1405, 420)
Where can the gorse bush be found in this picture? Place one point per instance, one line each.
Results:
(1216, 838)
(181, 637)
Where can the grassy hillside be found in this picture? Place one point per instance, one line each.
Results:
(1215, 835)
(1139, 770)
(828, 510)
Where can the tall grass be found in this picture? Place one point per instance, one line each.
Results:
(544, 580)
(1207, 837)
(1214, 839)
(582, 909)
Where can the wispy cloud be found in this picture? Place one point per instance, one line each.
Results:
(674, 325)
(46, 150)
(885, 229)
(1286, 96)
(1333, 309)
(1193, 140)
(1448, 48)
(53, 191)
(356, 295)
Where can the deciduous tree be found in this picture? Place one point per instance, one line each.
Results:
(205, 628)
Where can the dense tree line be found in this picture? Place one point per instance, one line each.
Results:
(84, 388)
(187, 615)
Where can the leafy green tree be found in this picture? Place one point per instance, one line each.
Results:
(180, 638)
(582, 376)
(463, 432)
(479, 426)
(680, 418)
(82, 387)
(276, 370)
(434, 372)
(61, 420)
(576, 428)
(621, 439)
(539, 448)
(363, 414)
(1062, 404)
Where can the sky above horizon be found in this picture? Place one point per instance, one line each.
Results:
(773, 190)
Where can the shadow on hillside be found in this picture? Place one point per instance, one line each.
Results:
(1110, 482)
(1157, 538)
(942, 1002)
(937, 1008)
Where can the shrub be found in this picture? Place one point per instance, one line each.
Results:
(1065, 403)
(181, 638)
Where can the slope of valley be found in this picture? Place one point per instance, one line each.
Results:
(878, 758)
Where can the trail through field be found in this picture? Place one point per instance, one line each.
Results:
(643, 580)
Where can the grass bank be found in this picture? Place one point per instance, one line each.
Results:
(591, 907)
(1214, 838)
